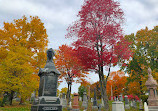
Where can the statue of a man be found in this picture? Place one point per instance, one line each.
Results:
(50, 55)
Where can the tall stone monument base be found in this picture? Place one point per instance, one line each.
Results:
(153, 108)
(45, 103)
(118, 106)
(127, 106)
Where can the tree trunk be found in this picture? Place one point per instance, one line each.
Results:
(68, 94)
(106, 104)
(21, 101)
(11, 97)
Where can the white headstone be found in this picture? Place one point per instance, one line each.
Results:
(118, 106)
(102, 103)
(80, 98)
(145, 107)
(70, 104)
(91, 100)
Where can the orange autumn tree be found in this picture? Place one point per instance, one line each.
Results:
(70, 67)
(134, 88)
(22, 51)
(117, 80)
(95, 86)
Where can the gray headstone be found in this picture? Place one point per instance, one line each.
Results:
(134, 104)
(120, 97)
(140, 105)
(95, 101)
(47, 99)
(85, 101)
(126, 102)
(131, 104)
(63, 101)
(115, 98)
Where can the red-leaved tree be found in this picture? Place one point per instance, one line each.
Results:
(99, 39)
(70, 67)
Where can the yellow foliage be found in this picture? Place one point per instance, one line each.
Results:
(22, 51)
(64, 90)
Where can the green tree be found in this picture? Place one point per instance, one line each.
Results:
(145, 54)
(81, 90)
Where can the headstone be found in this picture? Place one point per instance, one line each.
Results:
(152, 87)
(85, 101)
(120, 97)
(47, 99)
(63, 101)
(118, 106)
(17, 99)
(75, 106)
(102, 102)
(95, 101)
(126, 102)
(134, 104)
(115, 99)
(80, 98)
(99, 107)
(145, 107)
(131, 104)
(91, 100)
(70, 105)
(140, 105)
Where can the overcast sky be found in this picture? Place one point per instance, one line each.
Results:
(58, 14)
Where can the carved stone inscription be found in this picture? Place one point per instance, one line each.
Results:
(50, 108)
(50, 85)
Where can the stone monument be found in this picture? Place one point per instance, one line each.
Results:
(85, 101)
(102, 102)
(120, 97)
(134, 104)
(95, 101)
(140, 105)
(126, 102)
(75, 106)
(152, 86)
(47, 99)
(118, 106)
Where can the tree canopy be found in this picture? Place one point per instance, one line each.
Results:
(145, 54)
(99, 38)
(22, 46)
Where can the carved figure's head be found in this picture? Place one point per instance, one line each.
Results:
(50, 54)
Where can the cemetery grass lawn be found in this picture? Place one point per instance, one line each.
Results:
(27, 107)
(99, 102)
(16, 107)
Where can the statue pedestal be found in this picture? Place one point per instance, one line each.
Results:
(118, 106)
(47, 103)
